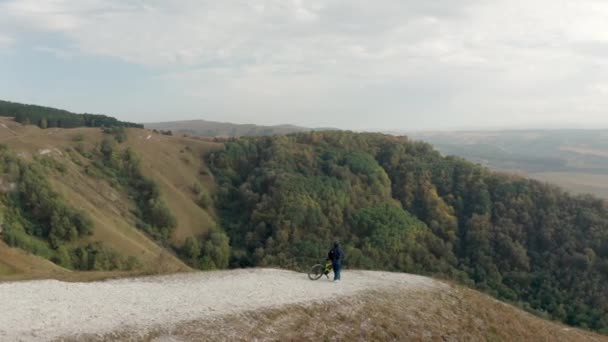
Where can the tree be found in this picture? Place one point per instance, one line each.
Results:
(400, 205)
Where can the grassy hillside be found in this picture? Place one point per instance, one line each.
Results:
(14, 262)
(205, 128)
(456, 315)
(175, 164)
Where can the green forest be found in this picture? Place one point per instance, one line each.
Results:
(46, 117)
(399, 205)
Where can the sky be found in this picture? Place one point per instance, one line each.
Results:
(351, 64)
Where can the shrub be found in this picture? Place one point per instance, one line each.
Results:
(197, 188)
(208, 252)
(97, 257)
(119, 133)
(204, 200)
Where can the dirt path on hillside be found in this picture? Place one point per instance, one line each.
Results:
(49, 309)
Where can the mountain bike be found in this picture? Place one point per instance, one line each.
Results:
(319, 270)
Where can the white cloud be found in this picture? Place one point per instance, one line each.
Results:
(451, 61)
(200, 32)
(57, 52)
(5, 41)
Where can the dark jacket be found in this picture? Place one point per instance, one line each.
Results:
(336, 254)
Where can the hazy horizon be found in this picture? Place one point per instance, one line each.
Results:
(390, 65)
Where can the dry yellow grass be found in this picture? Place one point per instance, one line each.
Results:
(14, 262)
(17, 265)
(457, 314)
(175, 163)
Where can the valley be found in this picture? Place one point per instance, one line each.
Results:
(87, 203)
(576, 160)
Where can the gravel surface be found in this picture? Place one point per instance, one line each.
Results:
(48, 309)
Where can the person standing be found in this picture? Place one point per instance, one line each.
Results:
(336, 255)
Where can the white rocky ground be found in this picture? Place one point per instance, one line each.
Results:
(49, 309)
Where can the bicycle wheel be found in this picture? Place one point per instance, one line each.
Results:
(316, 272)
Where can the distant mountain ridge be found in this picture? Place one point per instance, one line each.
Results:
(206, 128)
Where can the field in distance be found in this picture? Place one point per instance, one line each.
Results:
(576, 160)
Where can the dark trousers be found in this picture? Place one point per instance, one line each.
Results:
(337, 265)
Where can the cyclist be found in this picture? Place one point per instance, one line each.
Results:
(336, 255)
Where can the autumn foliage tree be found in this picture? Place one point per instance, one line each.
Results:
(400, 205)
